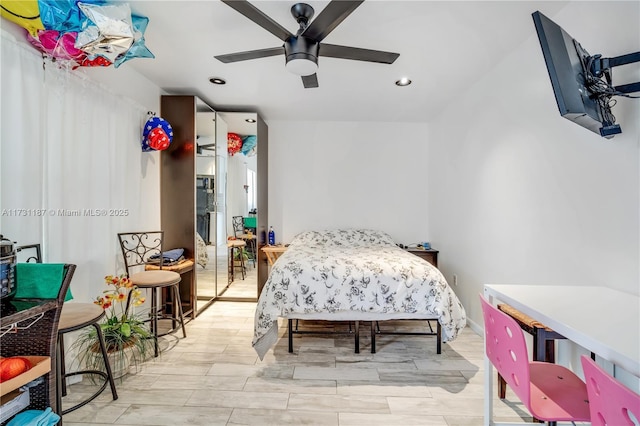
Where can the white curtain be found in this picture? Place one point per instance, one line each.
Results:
(72, 171)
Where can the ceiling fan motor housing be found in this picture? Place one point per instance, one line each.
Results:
(301, 55)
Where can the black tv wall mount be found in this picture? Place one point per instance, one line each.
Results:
(602, 67)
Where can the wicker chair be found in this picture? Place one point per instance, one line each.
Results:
(76, 316)
(38, 340)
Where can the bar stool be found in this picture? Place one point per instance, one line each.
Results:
(75, 316)
(236, 246)
(137, 248)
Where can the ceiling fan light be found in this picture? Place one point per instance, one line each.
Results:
(302, 66)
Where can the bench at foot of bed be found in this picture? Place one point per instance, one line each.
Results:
(356, 334)
(375, 329)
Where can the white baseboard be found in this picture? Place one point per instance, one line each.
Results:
(479, 330)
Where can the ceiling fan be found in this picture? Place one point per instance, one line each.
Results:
(302, 49)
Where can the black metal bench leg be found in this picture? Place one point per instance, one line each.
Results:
(373, 337)
(290, 336)
(357, 337)
(439, 337)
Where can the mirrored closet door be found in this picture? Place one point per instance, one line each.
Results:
(238, 220)
(213, 196)
(208, 179)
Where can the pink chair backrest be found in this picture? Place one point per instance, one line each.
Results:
(610, 402)
(507, 350)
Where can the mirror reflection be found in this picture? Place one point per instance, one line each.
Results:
(205, 187)
(226, 206)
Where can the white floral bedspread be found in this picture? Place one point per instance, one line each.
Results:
(352, 270)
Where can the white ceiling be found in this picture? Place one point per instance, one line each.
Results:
(444, 46)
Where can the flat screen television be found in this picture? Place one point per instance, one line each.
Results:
(566, 62)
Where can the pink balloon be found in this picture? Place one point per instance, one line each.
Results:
(56, 45)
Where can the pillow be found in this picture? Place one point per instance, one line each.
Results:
(343, 238)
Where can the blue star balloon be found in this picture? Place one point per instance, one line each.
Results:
(138, 48)
(63, 15)
(249, 145)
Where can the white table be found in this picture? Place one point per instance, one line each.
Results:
(600, 319)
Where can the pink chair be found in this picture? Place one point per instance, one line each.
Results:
(550, 392)
(611, 402)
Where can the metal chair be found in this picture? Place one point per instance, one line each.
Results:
(75, 316)
(610, 402)
(137, 248)
(250, 239)
(236, 248)
(550, 392)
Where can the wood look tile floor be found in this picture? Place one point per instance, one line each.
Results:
(214, 377)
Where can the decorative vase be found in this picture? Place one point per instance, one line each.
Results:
(120, 361)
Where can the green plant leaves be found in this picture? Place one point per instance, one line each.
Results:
(125, 329)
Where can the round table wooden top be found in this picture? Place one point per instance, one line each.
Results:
(76, 315)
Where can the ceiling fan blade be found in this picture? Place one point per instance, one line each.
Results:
(357, 54)
(330, 17)
(310, 81)
(256, 15)
(250, 54)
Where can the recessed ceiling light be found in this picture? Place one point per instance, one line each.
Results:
(404, 81)
(250, 120)
(217, 80)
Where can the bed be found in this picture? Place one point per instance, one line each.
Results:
(352, 275)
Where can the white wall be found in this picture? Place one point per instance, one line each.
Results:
(325, 175)
(90, 243)
(518, 194)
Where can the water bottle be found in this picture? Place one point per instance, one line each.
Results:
(272, 236)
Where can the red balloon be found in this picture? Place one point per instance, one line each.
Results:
(234, 143)
(158, 139)
(99, 61)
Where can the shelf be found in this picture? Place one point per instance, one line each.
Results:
(40, 365)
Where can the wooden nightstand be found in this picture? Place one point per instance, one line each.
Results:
(429, 255)
(273, 252)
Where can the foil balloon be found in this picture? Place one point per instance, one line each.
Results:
(63, 15)
(111, 33)
(248, 144)
(138, 48)
(153, 140)
(96, 61)
(158, 139)
(154, 122)
(234, 143)
(56, 45)
(24, 13)
(145, 144)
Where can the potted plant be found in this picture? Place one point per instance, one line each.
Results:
(129, 342)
